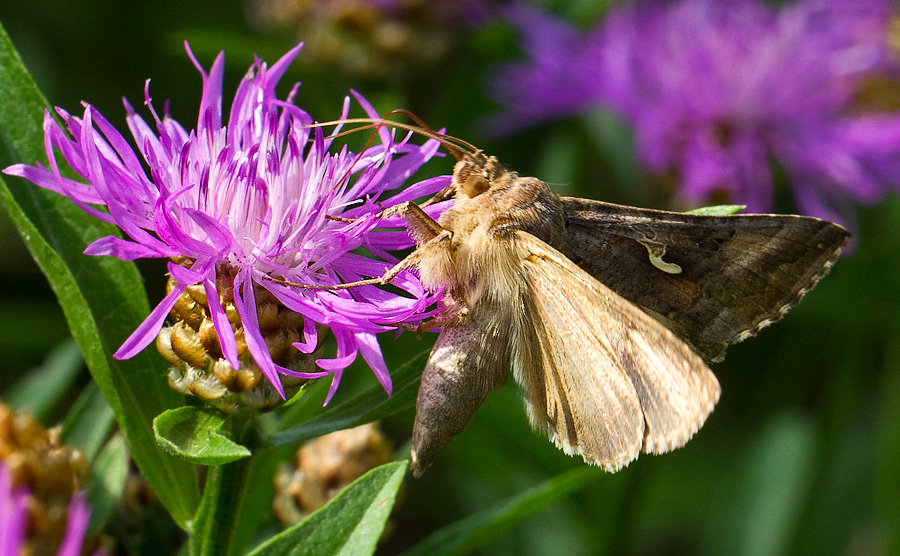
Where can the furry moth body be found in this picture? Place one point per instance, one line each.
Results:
(607, 315)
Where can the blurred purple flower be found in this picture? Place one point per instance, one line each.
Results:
(715, 89)
(256, 198)
(14, 519)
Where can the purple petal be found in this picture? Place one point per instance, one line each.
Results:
(310, 337)
(13, 514)
(346, 354)
(76, 528)
(371, 352)
(127, 250)
(146, 332)
(221, 324)
(245, 302)
(46, 179)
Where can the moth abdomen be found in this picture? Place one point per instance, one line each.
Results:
(468, 361)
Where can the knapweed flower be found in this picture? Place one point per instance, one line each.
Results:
(14, 519)
(42, 504)
(715, 90)
(245, 208)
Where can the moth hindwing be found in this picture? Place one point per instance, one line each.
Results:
(606, 314)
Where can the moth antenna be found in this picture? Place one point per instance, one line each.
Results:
(359, 155)
(451, 143)
(456, 146)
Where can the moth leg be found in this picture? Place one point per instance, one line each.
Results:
(435, 244)
(441, 195)
(423, 227)
(380, 281)
(455, 319)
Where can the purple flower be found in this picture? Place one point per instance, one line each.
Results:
(716, 89)
(14, 519)
(257, 201)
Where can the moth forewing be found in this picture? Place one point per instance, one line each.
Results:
(602, 378)
(737, 273)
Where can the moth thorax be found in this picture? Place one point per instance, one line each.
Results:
(324, 466)
(50, 471)
(190, 343)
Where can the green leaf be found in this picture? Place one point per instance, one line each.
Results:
(718, 210)
(766, 499)
(312, 389)
(193, 433)
(350, 524)
(88, 423)
(888, 478)
(475, 531)
(369, 405)
(41, 389)
(102, 297)
(108, 476)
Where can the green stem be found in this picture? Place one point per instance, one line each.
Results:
(235, 495)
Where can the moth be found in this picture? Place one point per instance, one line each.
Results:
(607, 315)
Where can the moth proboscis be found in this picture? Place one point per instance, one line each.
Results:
(607, 315)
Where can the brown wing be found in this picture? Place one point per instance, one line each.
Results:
(601, 377)
(738, 273)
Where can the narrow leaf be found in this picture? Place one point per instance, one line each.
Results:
(369, 405)
(718, 210)
(235, 495)
(193, 433)
(475, 531)
(764, 501)
(102, 298)
(108, 476)
(350, 524)
(41, 389)
(89, 422)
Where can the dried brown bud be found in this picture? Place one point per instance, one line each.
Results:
(324, 466)
(50, 471)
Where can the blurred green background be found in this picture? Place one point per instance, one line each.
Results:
(801, 456)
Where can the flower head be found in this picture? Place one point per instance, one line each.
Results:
(244, 207)
(42, 503)
(14, 519)
(715, 89)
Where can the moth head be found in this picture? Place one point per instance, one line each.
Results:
(474, 173)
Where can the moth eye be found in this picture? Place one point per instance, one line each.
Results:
(476, 185)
